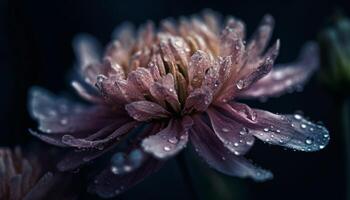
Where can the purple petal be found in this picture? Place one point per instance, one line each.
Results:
(164, 90)
(88, 143)
(142, 79)
(107, 184)
(59, 115)
(199, 99)
(212, 150)
(168, 141)
(146, 110)
(286, 77)
(232, 40)
(231, 133)
(199, 63)
(261, 37)
(292, 131)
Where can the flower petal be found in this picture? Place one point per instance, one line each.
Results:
(59, 115)
(286, 77)
(292, 131)
(107, 184)
(168, 141)
(199, 63)
(231, 133)
(85, 93)
(164, 90)
(87, 49)
(199, 99)
(146, 110)
(219, 157)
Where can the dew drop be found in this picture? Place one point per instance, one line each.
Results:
(308, 141)
(278, 131)
(167, 148)
(235, 144)
(297, 116)
(240, 84)
(64, 121)
(303, 126)
(173, 140)
(225, 130)
(266, 129)
(114, 170)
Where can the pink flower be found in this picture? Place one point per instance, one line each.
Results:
(166, 88)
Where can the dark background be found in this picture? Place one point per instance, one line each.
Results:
(35, 48)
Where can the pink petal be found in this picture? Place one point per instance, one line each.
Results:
(164, 90)
(199, 100)
(231, 133)
(286, 77)
(168, 141)
(261, 37)
(85, 93)
(199, 63)
(142, 79)
(211, 149)
(146, 110)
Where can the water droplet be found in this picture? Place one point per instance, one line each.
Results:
(311, 129)
(173, 140)
(167, 148)
(225, 130)
(308, 141)
(297, 116)
(266, 129)
(326, 135)
(127, 168)
(240, 84)
(278, 131)
(114, 170)
(64, 121)
(303, 126)
(235, 144)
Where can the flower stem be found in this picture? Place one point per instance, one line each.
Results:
(184, 168)
(345, 113)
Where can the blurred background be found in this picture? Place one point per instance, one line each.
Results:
(35, 49)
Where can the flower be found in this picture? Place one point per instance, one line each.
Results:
(335, 55)
(155, 91)
(23, 178)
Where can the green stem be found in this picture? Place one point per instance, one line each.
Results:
(184, 168)
(345, 112)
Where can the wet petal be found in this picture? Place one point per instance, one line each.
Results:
(168, 141)
(107, 184)
(164, 90)
(292, 131)
(199, 63)
(232, 40)
(286, 77)
(261, 37)
(231, 133)
(72, 141)
(146, 110)
(199, 99)
(211, 149)
(142, 79)
(59, 115)
(85, 93)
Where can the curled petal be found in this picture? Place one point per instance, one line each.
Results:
(146, 110)
(292, 131)
(141, 78)
(168, 141)
(199, 63)
(230, 132)
(211, 149)
(85, 93)
(286, 77)
(164, 91)
(107, 184)
(70, 140)
(232, 40)
(199, 99)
